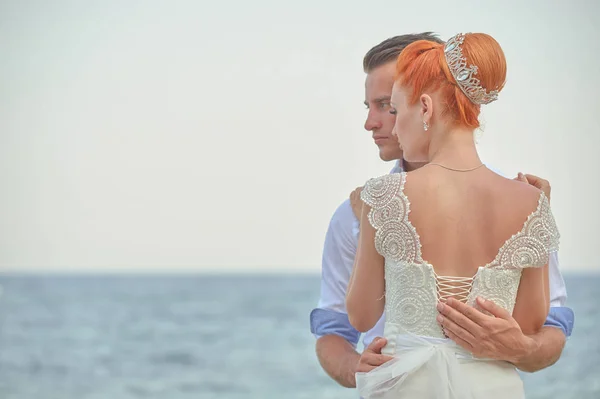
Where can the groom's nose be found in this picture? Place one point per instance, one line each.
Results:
(372, 122)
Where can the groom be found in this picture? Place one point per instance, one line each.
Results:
(497, 336)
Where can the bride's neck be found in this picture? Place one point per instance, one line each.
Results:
(454, 147)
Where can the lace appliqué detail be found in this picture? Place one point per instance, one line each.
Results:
(411, 298)
(410, 288)
(395, 237)
(497, 285)
(532, 245)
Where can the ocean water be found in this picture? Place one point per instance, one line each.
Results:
(230, 337)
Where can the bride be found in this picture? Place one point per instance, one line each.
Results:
(451, 229)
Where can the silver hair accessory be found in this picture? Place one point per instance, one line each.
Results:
(464, 75)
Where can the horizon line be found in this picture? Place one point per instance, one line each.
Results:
(197, 271)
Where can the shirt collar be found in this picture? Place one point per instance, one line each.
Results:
(398, 167)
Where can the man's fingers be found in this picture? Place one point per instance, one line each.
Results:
(372, 354)
(458, 312)
(521, 177)
(461, 342)
(356, 192)
(533, 179)
(355, 202)
(457, 331)
(364, 368)
(494, 309)
(367, 364)
(540, 183)
(373, 359)
(536, 182)
(377, 345)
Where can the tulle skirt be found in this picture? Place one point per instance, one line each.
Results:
(432, 368)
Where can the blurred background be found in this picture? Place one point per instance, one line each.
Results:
(169, 168)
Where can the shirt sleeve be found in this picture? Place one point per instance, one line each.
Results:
(559, 316)
(330, 316)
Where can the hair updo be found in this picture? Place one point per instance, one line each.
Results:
(422, 66)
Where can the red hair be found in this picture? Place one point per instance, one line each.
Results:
(422, 67)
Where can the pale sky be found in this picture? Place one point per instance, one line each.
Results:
(187, 135)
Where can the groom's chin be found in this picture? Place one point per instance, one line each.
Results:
(389, 154)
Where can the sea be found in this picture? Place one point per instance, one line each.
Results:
(207, 336)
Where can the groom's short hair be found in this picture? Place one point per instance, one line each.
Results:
(389, 49)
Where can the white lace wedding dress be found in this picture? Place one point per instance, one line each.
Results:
(426, 364)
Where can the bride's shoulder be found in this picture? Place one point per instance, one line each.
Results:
(521, 190)
(523, 197)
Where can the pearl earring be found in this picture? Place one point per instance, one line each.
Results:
(425, 126)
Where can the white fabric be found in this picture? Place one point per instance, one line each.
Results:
(436, 368)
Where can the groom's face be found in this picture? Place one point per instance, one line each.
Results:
(378, 92)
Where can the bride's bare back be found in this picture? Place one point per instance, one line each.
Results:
(464, 218)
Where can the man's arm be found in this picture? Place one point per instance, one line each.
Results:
(336, 338)
(338, 358)
(543, 350)
(499, 336)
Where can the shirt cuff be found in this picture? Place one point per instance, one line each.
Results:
(561, 317)
(329, 322)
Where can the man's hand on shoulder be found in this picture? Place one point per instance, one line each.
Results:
(356, 202)
(537, 182)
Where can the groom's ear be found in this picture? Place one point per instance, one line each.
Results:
(426, 105)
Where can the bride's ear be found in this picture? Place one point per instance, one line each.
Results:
(426, 105)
